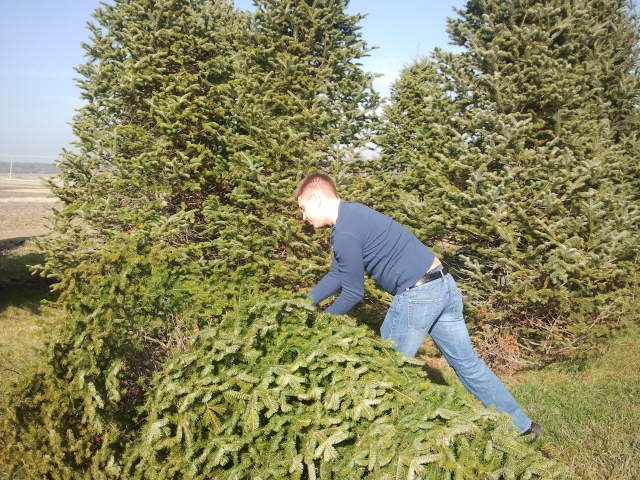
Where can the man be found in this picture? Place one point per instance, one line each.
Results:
(426, 299)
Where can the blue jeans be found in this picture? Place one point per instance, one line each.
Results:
(436, 308)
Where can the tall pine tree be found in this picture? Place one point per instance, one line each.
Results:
(518, 150)
(303, 101)
(153, 141)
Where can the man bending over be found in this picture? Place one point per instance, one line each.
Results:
(426, 298)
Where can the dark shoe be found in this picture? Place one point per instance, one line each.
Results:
(534, 433)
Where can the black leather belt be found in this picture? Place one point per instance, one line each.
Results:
(428, 277)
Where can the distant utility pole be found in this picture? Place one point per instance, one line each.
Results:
(10, 167)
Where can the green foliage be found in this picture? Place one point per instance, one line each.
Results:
(515, 156)
(271, 391)
(153, 133)
(421, 144)
(301, 99)
(132, 305)
(201, 119)
(308, 81)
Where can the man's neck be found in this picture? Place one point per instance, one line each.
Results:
(333, 210)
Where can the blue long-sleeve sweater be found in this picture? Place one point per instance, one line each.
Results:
(365, 240)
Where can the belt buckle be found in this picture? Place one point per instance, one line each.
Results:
(426, 278)
(421, 281)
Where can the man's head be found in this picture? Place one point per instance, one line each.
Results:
(318, 200)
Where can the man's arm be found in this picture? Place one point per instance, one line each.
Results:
(349, 264)
(327, 285)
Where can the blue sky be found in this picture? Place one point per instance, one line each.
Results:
(40, 46)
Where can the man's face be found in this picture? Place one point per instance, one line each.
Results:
(311, 206)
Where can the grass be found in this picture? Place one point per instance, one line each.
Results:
(589, 410)
(23, 326)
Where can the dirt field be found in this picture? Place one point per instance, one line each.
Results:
(25, 203)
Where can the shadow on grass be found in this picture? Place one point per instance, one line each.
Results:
(435, 375)
(9, 244)
(18, 286)
(26, 296)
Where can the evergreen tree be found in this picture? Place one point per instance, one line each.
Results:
(306, 67)
(518, 143)
(421, 142)
(153, 141)
(302, 101)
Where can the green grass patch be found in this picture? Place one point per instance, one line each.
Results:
(22, 332)
(590, 410)
(23, 324)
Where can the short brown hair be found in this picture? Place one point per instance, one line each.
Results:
(318, 181)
